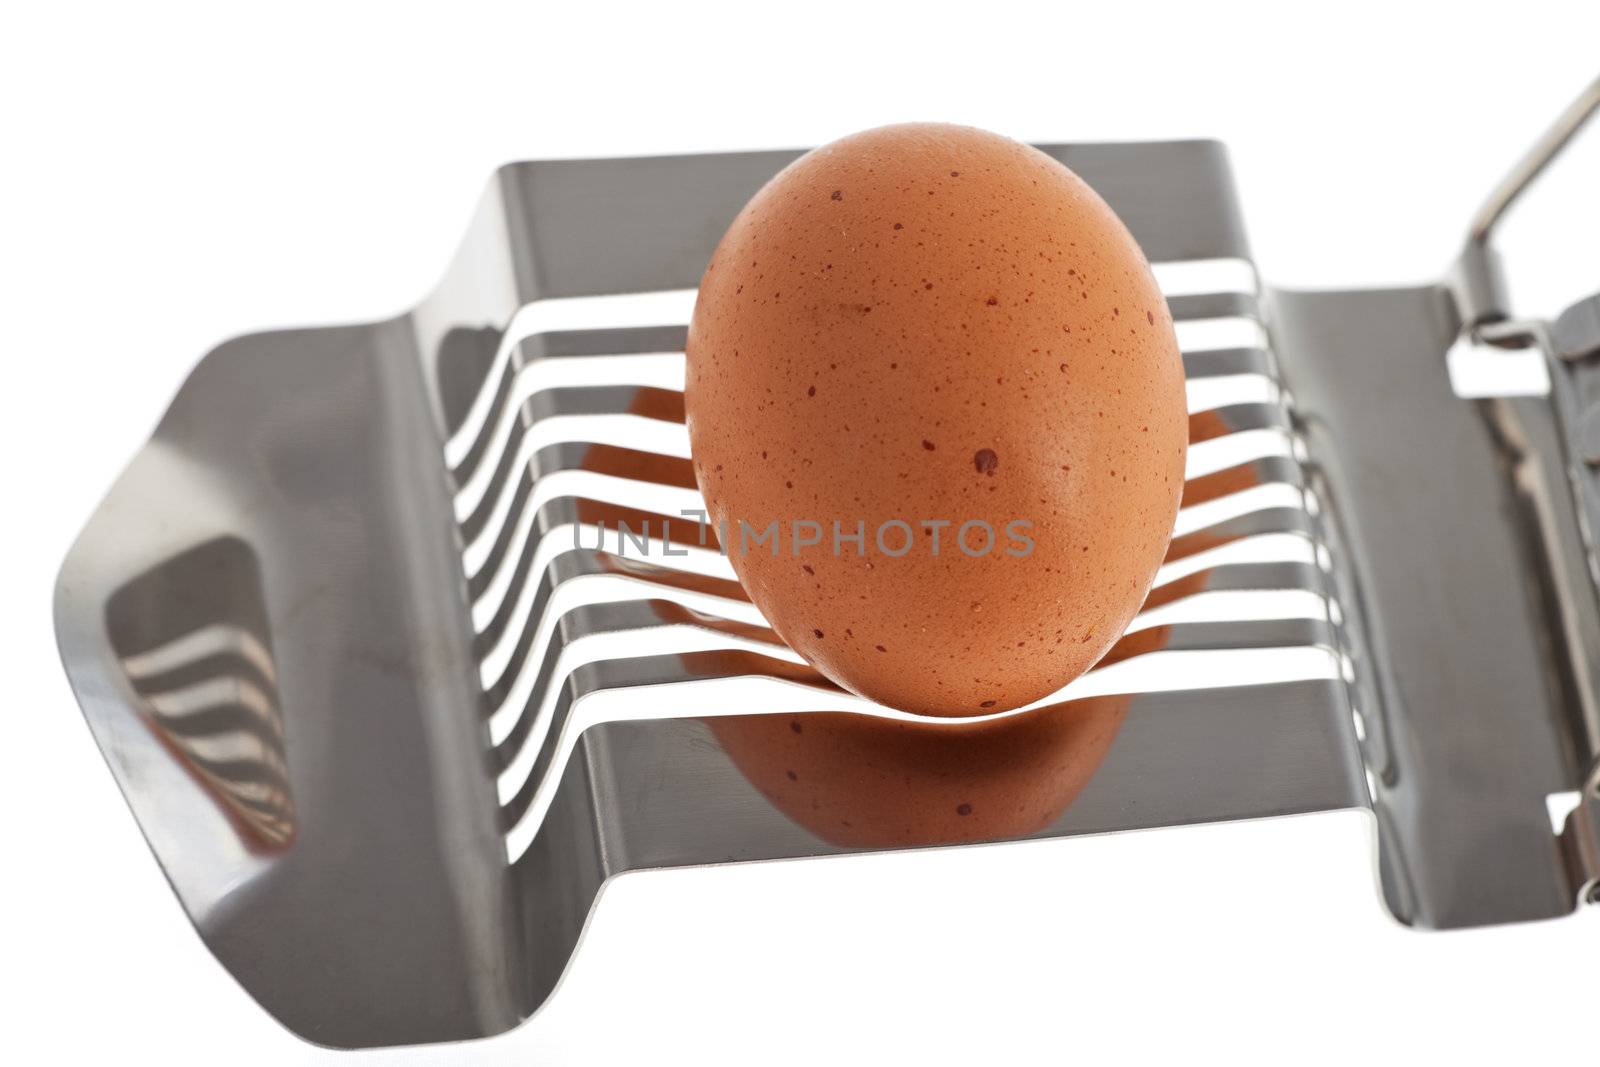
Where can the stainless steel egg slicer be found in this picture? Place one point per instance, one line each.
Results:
(329, 627)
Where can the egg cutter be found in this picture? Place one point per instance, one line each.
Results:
(334, 637)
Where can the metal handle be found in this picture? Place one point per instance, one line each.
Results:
(1477, 276)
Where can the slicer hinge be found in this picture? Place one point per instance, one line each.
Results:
(1477, 282)
(1580, 841)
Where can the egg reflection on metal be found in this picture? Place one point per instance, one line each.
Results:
(936, 408)
(862, 781)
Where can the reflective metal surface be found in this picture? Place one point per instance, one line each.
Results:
(386, 915)
(335, 635)
(1433, 510)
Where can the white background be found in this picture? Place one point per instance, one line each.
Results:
(174, 175)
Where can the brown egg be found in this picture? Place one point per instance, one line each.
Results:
(943, 341)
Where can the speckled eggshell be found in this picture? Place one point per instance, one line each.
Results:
(928, 324)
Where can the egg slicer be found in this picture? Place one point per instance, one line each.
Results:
(389, 725)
